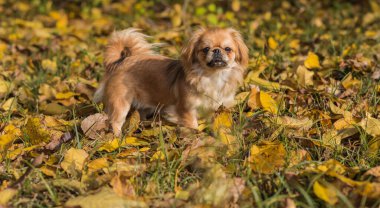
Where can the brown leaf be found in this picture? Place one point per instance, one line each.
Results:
(122, 186)
(56, 143)
(94, 126)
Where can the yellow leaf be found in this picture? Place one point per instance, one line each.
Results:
(15, 153)
(222, 129)
(97, 164)
(235, 5)
(263, 160)
(49, 65)
(253, 78)
(48, 171)
(66, 95)
(331, 138)
(105, 198)
(183, 195)
(326, 193)
(295, 123)
(132, 152)
(3, 48)
(36, 132)
(117, 143)
(10, 134)
(5, 87)
(6, 195)
(350, 82)
(74, 160)
(159, 155)
(222, 120)
(5, 141)
(133, 122)
(312, 61)
(341, 124)
(176, 16)
(272, 43)
(268, 103)
(371, 126)
(10, 104)
(374, 147)
(304, 76)
(294, 44)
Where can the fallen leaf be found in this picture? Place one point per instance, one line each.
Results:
(6, 195)
(303, 124)
(5, 88)
(312, 61)
(254, 98)
(94, 125)
(49, 65)
(122, 186)
(97, 164)
(66, 95)
(10, 104)
(48, 171)
(118, 143)
(159, 155)
(268, 103)
(74, 160)
(326, 193)
(262, 160)
(54, 109)
(304, 76)
(105, 198)
(10, 133)
(375, 171)
(371, 126)
(272, 43)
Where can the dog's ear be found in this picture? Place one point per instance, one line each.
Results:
(242, 54)
(187, 54)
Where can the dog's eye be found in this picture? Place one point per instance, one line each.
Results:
(205, 50)
(228, 49)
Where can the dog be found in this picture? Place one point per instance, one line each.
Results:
(206, 76)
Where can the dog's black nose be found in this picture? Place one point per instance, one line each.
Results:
(216, 51)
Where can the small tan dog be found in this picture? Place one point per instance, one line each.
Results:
(207, 76)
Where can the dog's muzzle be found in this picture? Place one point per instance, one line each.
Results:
(217, 60)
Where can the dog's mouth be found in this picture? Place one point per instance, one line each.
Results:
(217, 63)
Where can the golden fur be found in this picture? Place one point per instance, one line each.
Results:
(207, 76)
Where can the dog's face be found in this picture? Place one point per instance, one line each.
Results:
(215, 49)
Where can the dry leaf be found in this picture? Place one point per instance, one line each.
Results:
(6, 195)
(74, 160)
(268, 103)
(94, 125)
(326, 193)
(105, 198)
(262, 160)
(118, 143)
(312, 61)
(304, 76)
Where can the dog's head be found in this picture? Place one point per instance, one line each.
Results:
(215, 49)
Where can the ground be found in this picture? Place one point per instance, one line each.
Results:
(305, 131)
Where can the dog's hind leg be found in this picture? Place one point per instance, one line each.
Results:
(117, 111)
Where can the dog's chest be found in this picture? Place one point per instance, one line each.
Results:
(216, 90)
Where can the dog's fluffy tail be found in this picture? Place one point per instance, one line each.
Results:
(122, 44)
(125, 43)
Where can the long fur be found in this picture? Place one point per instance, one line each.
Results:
(122, 44)
(137, 77)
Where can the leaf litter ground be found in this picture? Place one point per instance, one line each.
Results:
(305, 130)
